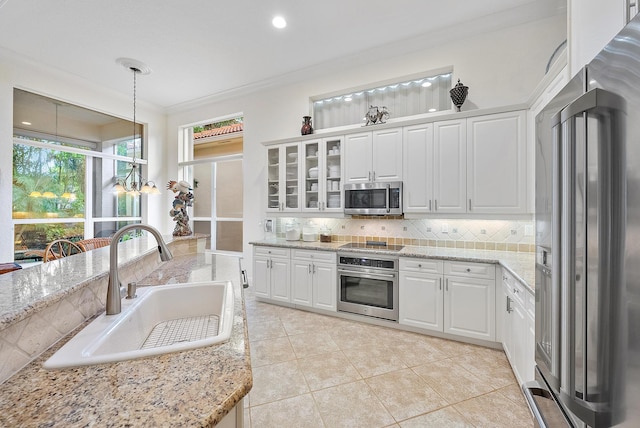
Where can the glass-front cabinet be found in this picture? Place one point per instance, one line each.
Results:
(322, 169)
(283, 178)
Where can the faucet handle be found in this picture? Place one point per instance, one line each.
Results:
(131, 290)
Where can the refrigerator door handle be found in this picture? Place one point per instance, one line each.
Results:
(595, 98)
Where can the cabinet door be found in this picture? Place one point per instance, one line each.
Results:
(291, 176)
(357, 152)
(325, 286)
(332, 194)
(450, 166)
(420, 300)
(261, 275)
(469, 307)
(280, 280)
(519, 334)
(417, 168)
(496, 163)
(301, 282)
(313, 172)
(387, 155)
(273, 179)
(506, 312)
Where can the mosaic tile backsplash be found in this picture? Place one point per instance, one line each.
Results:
(501, 235)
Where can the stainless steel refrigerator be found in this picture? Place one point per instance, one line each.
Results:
(588, 245)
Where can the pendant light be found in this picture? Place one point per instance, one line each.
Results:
(133, 183)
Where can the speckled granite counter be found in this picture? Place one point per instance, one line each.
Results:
(521, 265)
(191, 388)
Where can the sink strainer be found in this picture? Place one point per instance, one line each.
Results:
(182, 330)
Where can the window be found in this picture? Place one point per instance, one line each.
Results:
(64, 169)
(408, 96)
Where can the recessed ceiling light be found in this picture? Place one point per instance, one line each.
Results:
(431, 110)
(426, 84)
(279, 22)
(26, 123)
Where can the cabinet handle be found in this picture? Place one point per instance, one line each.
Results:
(468, 269)
(436, 205)
(374, 176)
(446, 284)
(469, 204)
(440, 280)
(509, 310)
(309, 267)
(314, 268)
(429, 204)
(369, 175)
(420, 265)
(515, 291)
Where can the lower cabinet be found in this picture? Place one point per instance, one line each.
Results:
(271, 267)
(314, 279)
(518, 327)
(451, 297)
(302, 277)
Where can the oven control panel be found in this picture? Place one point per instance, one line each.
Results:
(367, 262)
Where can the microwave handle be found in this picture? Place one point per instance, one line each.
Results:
(388, 198)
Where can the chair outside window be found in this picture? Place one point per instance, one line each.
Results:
(60, 248)
(93, 243)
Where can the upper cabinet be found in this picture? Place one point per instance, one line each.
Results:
(283, 181)
(593, 23)
(496, 163)
(322, 169)
(374, 156)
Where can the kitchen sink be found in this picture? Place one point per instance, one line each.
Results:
(160, 320)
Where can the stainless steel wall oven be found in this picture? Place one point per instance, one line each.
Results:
(368, 285)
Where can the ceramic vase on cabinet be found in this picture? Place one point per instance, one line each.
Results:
(306, 125)
(459, 94)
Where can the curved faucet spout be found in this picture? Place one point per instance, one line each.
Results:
(114, 302)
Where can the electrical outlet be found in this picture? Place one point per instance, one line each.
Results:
(361, 227)
(514, 232)
(383, 228)
(343, 226)
(454, 230)
(428, 229)
(445, 228)
(528, 230)
(404, 229)
(483, 231)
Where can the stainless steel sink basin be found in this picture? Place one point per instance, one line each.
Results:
(162, 319)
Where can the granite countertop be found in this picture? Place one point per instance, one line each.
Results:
(521, 265)
(190, 388)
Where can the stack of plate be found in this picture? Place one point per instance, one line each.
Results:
(334, 201)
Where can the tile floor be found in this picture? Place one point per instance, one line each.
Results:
(311, 370)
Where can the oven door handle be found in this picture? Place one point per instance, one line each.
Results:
(367, 274)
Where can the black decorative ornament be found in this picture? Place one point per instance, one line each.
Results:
(458, 94)
(306, 129)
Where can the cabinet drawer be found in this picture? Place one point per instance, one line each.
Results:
(470, 270)
(272, 251)
(422, 265)
(314, 256)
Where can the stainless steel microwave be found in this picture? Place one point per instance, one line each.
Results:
(373, 198)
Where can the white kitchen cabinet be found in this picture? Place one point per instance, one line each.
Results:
(469, 299)
(373, 156)
(451, 297)
(283, 178)
(271, 272)
(322, 193)
(420, 292)
(314, 279)
(417, 168)
(450, 166)
(497, 163)
(518, 338)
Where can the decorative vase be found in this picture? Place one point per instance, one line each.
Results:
(458, 94)
(306, 125)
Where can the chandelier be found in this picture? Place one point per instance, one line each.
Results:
(133, 183)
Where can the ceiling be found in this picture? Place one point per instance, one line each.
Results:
(203, 49)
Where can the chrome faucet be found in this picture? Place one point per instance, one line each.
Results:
(114, 293)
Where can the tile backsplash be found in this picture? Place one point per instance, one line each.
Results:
(510, 235)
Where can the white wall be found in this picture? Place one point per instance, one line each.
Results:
(16, 72)
(500, 68)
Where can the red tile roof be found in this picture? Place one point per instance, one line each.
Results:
(229, 129)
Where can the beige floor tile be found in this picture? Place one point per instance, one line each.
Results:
(373, 360)
(405, 394)
(296, 412)
(271, 351)
(352, 336)
(352, 405)
(277, 381)
(443, 418)
(326, 370)
(490, 365)
(452, 381)
(418, 352)
(496, 411)
(265, 330)
(302, 323)
(313, 343)
(451, 347)
(513, 393)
